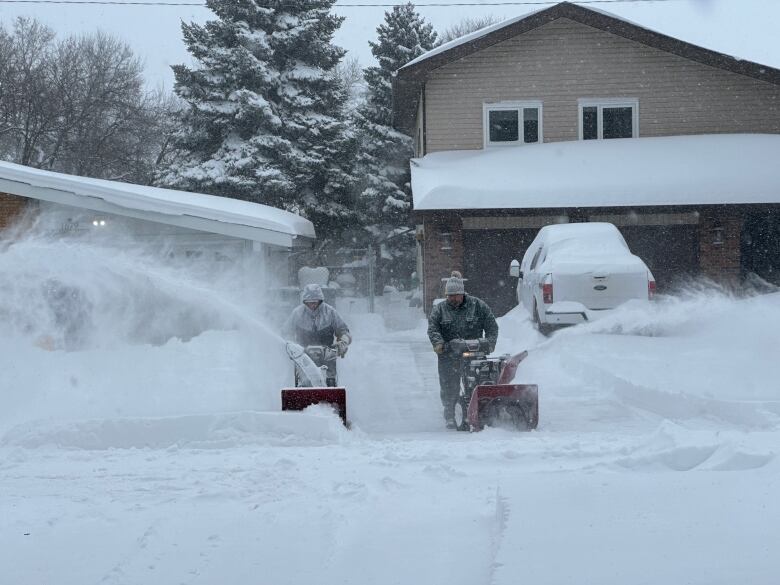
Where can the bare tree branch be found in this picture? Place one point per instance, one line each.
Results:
(468, 25)
(79, 105)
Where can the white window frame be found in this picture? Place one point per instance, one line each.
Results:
(602, 103)
(509, 106)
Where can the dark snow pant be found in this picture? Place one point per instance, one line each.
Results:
(449, 383)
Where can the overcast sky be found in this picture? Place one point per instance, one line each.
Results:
(743, 28)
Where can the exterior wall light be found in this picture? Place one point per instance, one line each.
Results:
(445, 240)
(717, 235)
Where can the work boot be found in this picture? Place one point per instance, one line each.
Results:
(449, 416)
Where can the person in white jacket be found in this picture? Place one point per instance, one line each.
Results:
(315, 322)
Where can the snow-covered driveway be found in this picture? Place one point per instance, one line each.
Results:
(655, 461)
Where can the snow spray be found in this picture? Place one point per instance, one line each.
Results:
(120, 325)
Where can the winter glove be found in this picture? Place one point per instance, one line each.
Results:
(439, 348)
(486, 346)
(341, 348)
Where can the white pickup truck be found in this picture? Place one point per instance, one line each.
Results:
(572, 273)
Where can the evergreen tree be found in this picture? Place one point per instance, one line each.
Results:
(266, 117)
(383, 160)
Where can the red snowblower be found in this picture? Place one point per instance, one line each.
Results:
(314, 383)
(487, 396)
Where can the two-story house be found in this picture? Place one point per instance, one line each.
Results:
(515, 126)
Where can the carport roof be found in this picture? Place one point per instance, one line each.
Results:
(198, 211)
(671, 170)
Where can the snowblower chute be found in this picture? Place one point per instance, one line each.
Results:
(315, 381)
(488, 398)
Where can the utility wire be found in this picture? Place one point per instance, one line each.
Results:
(337, 5)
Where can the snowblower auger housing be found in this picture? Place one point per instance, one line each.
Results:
(488, 398)
(315, 380)
(300, 398)
(504, 405)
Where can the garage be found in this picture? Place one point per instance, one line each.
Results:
(667, 242)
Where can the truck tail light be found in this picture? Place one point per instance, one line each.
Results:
(547, 293)
(650, 288)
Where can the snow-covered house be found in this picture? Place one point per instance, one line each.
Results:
(189, 223)
(512, 125)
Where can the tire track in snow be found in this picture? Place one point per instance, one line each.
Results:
(500, 522)
(117, 573)
(389, 387)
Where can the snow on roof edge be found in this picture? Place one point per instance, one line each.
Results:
(652, 171)
(167, 202)
(469, 37)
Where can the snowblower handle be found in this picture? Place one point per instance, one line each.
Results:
(461, 346)
(329, 352)
(453, 346)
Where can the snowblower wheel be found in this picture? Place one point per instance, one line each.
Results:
(461, 415)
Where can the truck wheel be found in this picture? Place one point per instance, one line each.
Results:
(543, 328)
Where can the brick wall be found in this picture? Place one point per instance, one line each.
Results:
(442, 253)
(719, 246)
(11, 208)
(715, 242)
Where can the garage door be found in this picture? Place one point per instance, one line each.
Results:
(486, 259)
(761, 245)
(670, 251)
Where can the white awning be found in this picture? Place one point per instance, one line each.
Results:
(208, 213)
(672, 170)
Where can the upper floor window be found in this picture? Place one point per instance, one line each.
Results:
(609, 118)
(512, 123)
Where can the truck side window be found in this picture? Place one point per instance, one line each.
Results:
(536, 258)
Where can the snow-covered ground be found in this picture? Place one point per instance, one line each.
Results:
(143, 460)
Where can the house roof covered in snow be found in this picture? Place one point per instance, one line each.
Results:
(656, 171)
(409, 79)
(208, 213)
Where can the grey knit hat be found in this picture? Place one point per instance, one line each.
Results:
(312, 292)
(454, 286)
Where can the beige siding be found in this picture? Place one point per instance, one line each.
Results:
(564, 61)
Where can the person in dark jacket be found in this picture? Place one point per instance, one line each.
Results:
(461, 316)
(315, 322)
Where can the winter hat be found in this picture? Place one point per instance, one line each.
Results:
(454, 285)
(312, 292)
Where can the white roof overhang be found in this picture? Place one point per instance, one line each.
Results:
(197, 211)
